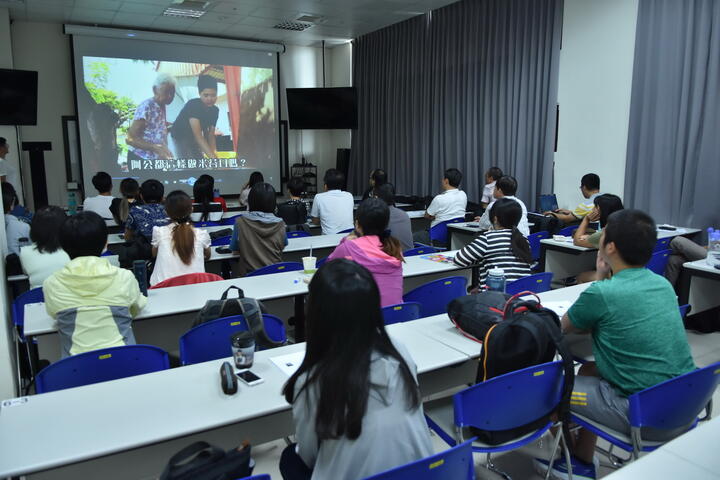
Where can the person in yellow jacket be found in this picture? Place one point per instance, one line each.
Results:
(92, 301)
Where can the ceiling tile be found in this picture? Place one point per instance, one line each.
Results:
(173, 23)
(133, 20)
(234, 8)
(259, 22)
(99, 4)
(276, 13)
(89, 15)
(220, 17)
(136, 7)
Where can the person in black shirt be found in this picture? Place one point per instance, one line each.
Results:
(294, 212)
(194, 127)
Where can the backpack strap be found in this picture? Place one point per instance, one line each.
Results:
(253, 316)
(486, 345)
(241, 294)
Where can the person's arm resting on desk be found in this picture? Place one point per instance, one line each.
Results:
(587, 311)
(581, 234)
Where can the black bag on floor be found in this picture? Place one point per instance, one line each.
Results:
(202, 461)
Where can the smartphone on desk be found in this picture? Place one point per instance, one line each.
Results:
(223, 250)
(249, 378)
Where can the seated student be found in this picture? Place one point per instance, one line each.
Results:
(333, 209)
(100, 203)
(491, 177)
(501, 247)
(372, 247)
(179, 247)
(604, 206)
(638, 336)
(120, 207)
(258, 237)
(505, 187)
(92, 301)
(204, 194)
(450, 203)
(683, 250)
(590, 188)
(356, 405)
(399, 224)
(144, 216)
(378, 177)
(45, 256)
(294, 211)
(255, 177)
(17, 232)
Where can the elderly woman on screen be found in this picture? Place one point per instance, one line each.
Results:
(147, 135)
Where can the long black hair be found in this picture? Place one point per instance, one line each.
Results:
(45, 228)
(204, 193)
(507, 214)
(373, 216)
(344, 326)
(607, 204)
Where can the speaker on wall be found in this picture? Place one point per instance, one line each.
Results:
(343, 161)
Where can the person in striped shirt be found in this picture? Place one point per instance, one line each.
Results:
(502, 247)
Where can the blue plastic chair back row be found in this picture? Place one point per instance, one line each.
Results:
(538, 283)
(434, 296)
(221, 241)
(439, 233)
(230, 220)
(662, 244)
(420, 251)
(534, 241)
(455, 463)
(297, 234)
(402, 312)
(568, 231)
(276, 268)
(18, 306)
(658, 262)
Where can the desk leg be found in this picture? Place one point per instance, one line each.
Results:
(683, 287)
(299, 318)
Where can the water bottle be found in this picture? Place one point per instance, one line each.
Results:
(140, 271)
(495, 280)
(216, 193)
(713, 257)
(72, 203)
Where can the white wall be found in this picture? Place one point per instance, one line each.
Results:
(595, 79)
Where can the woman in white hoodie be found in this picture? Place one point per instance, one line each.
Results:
(356, 404)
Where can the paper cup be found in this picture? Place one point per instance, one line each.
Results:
(309, 264)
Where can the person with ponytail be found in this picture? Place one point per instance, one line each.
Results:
(204, 194)
(372, 246)
(120, 207)
(179, 247)
(501, 247)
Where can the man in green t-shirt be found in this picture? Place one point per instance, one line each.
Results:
(637, 335)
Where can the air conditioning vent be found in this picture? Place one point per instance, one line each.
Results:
(293, 26)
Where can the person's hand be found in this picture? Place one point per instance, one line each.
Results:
(476, 219)
(549, 213)
(583, 237)
(594, 215)
(563, 211)
(602, 267)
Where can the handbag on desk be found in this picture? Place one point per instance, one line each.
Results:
(202, 461)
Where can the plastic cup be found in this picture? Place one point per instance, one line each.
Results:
(309, 264)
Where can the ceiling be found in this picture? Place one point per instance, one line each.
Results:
(342, 20)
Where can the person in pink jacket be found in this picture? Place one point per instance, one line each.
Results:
(372, 246)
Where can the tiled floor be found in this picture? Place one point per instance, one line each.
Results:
(518, 464)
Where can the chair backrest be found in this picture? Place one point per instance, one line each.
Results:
(659, 261)
(662, 244)
(538, 283)
(402, 312)
(347, 230)
(676, 402)
(684, 310)
(297, 234)
(229, 220)
(455, 463)
(264, 476)
(439, 233)
(221, 241)
(511, 400)
(568, 231)
(208, 223)
(276, 268)
(211, 340)
(434, 296)
(18, 307)
(101, 366)
(321, 262)
(420, 251)
(534, 241)
(188, 279)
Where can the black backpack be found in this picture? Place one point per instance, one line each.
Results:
(249, 308)
(201, 461)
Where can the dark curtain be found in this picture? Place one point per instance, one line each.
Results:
(673, 155)
(470, 85)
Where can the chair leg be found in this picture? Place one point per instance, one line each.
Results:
(491, 466)
(566, 451)
(615, 461)
(556, 444)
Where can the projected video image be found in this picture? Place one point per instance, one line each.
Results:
(157, 116)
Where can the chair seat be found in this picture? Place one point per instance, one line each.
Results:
(622, 440)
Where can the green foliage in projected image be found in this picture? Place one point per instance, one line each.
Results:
(96, 77)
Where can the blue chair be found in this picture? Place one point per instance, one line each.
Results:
(211, 340)
(434, 296)
(276, 268)
(684, 309)
(18, 316)
(534, 241)
(658, 262)
(297, 234)
(321, 262)
(455, 463)
(221, 241)
(420, 251)
(501, 403)
(207, 223)
(347, 230)
(439, 233)
(568, 231)
(538, 283)
(402, 312)
(229, 221)
(662, 244)
(671, 405)
(101, 365)
(264, 476)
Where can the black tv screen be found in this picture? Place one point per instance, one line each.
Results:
(322, 108)
(18, 97)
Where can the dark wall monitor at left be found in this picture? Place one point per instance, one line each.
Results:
(18, 97)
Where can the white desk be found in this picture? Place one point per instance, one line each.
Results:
(322, 246)
(699, 286)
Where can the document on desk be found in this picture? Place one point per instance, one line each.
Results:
(289, 363)
(559, 307)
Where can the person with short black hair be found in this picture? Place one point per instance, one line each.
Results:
(45, 256)
(100, 203)
(92, 301)
(204, 194)
(143, 217)
(378, 177)
(259, 237)
(8, 173)
(120, 207)
(590, 188)
(194, 128)
(17, 232)
(255, 177)
(333, 209)
(449, 204)
(491, 177)
(638, 337)
(399, 224)
(505, 187)
(356, 405)
(294, 212)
